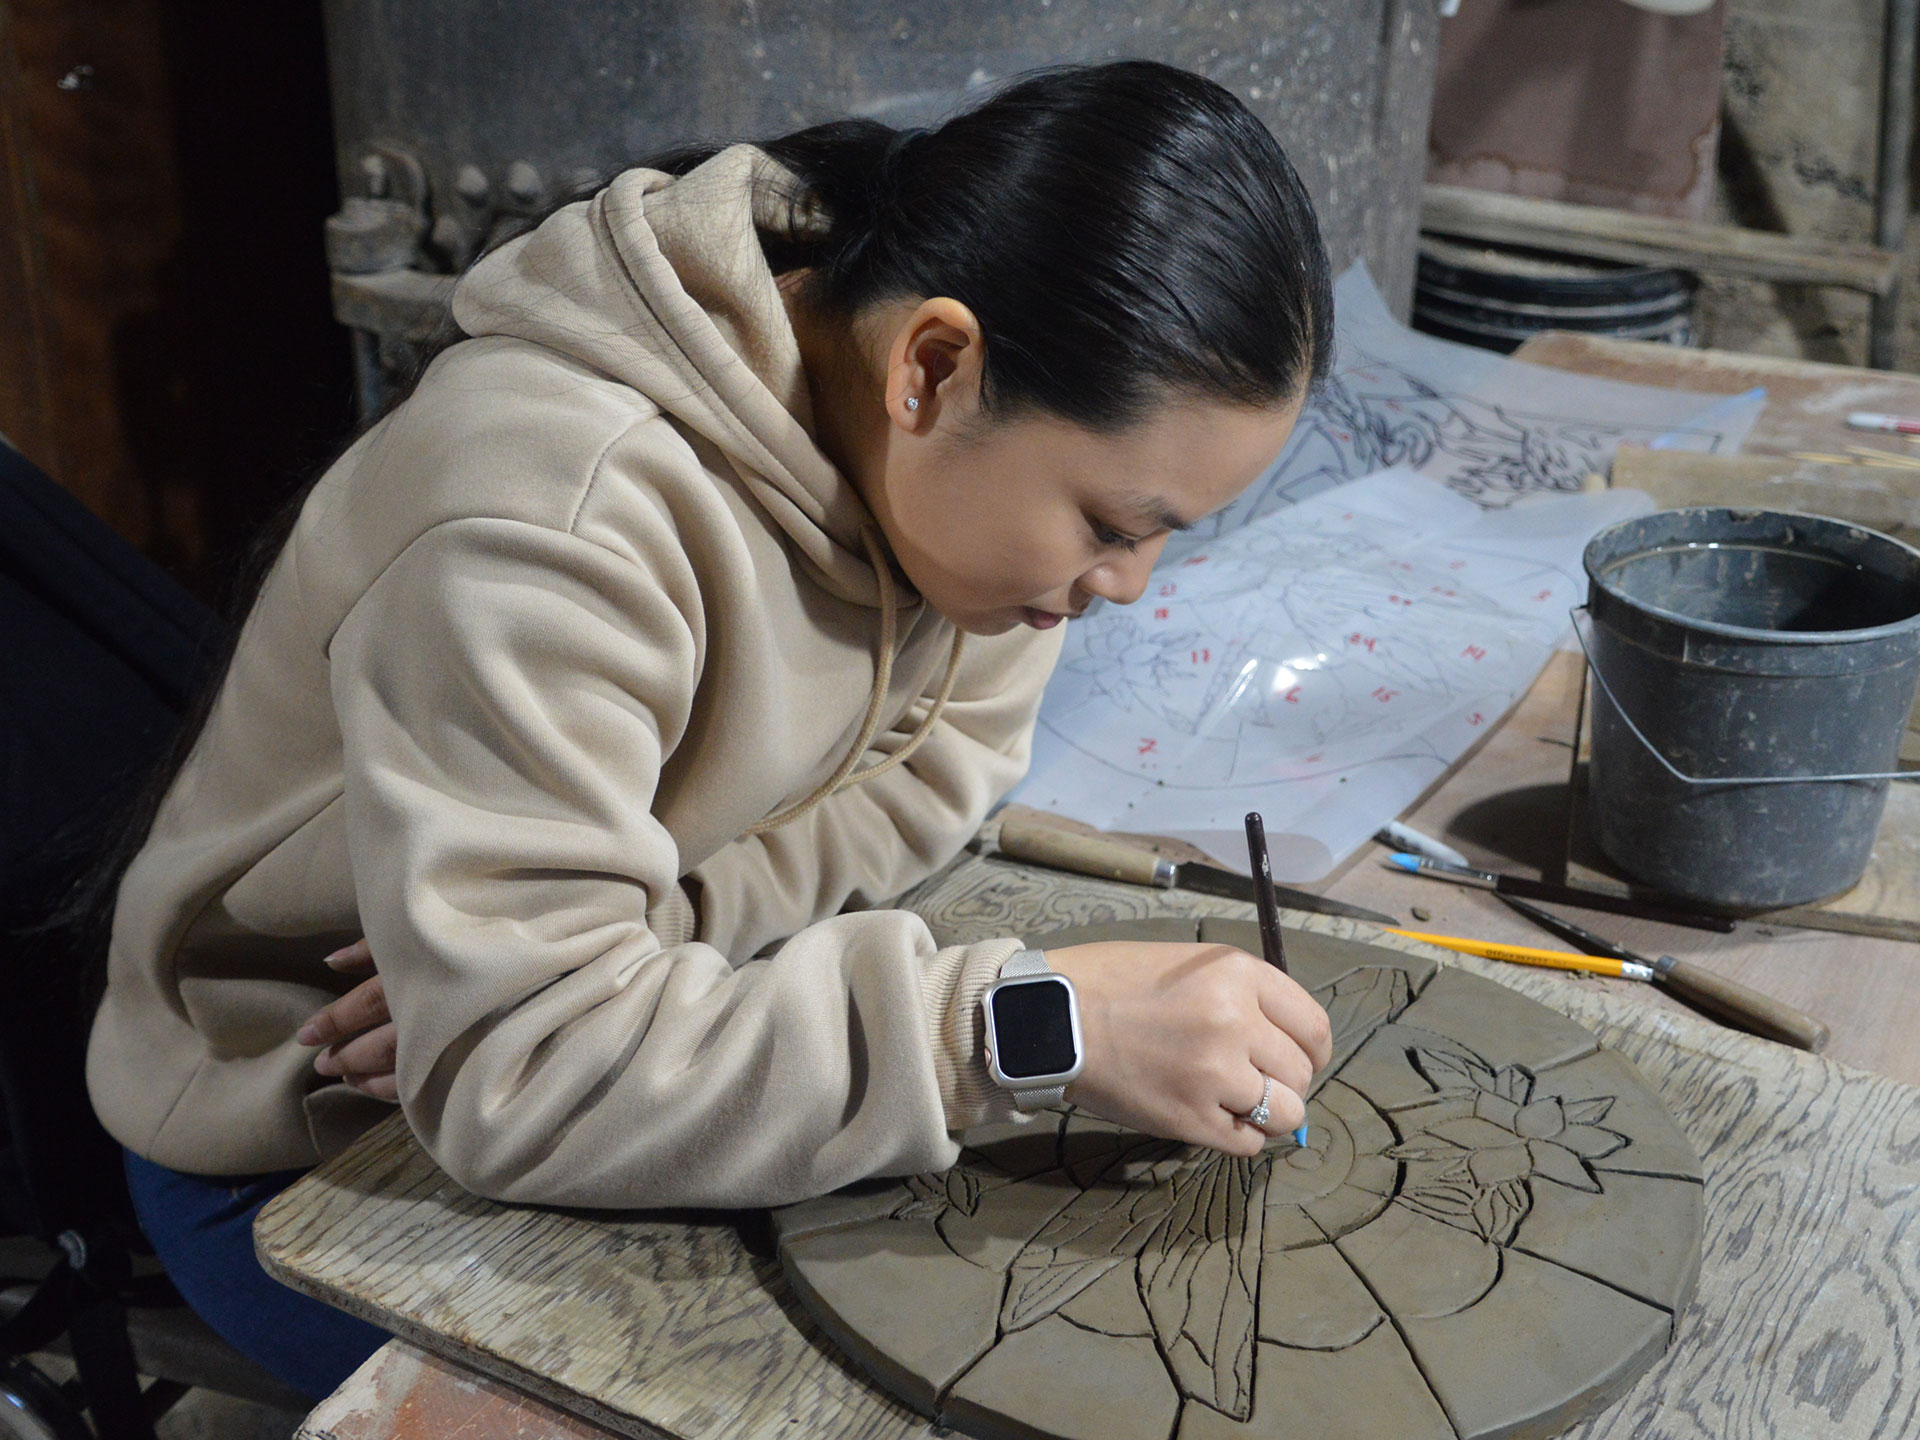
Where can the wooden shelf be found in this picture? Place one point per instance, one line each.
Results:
(1603, 234)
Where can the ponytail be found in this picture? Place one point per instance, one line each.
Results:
(1124, 233)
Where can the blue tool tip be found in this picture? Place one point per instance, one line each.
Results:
(1300, 1137)
(1405, 862)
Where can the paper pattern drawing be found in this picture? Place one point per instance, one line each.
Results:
(1490, 428)
(1322, 664)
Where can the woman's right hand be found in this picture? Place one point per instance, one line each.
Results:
(356, 1031)
(1179, 1038)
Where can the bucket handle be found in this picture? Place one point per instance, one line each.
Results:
(1580, 612)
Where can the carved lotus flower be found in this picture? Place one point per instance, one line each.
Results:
(1469, 1165)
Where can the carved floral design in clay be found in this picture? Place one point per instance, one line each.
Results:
(1470, 1168)
(1479, 1179)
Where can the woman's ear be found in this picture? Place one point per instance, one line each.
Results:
(934, 366)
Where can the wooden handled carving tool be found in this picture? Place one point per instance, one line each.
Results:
(1271, 942)
(1505, 885)
(1022, 838)
(1724, 999)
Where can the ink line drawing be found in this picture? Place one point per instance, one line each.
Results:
(1490, 428)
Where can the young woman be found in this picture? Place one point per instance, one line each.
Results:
(698, 602)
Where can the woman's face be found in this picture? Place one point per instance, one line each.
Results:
(1025, 520)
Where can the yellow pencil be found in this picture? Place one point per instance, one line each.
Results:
(1872, 456)
(1530, 955)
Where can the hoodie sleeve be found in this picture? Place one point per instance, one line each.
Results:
(503, 732)
(871, 841)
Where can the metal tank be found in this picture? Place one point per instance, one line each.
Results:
(454, 117)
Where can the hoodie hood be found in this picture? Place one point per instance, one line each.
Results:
(659, 281)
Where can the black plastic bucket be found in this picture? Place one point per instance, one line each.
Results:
(1759, 654)
(1497, 297)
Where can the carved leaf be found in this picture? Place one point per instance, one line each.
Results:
(1451, 1202)
(1498, 1210)
(926, 1198)
(1103, 1226)
(1423, 1145)
(1454, 1073)
(1556, 1163)
(1363, 1000)
(1590, 1142)
(1200, 1281)
(1510, 1082)
(1588, 1112)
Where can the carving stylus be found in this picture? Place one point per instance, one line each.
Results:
(1263, 898)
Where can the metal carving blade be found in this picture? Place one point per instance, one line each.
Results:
(1211, 880)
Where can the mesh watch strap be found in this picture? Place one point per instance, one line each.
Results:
(1028, 1100)
(1025, 962)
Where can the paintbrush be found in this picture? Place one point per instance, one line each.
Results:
(1505, 885)
(1271, 943)
(1724, 999)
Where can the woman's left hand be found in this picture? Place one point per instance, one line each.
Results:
(357, 1029)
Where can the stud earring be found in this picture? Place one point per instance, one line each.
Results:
(913, 402)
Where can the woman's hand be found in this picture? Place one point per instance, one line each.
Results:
(357, 1029)
(1180, 1038)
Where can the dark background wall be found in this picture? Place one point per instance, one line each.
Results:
(166, 348)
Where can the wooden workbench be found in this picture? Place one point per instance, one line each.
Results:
(1809, 1305)
(647, 1325)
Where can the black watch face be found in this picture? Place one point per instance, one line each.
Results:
(1033, 1029)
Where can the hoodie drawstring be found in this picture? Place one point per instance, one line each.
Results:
(844, 776)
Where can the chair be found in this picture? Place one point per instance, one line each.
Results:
(101, 656)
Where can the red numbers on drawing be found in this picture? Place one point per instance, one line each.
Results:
(1398, 600)
(1292, 697)
(1365, 642)
(1194, 560)
(1201, 657)
(1456, 565)
(1544, 595)
(1148, 746)
(1161, 612)
(1169, 588)
(1474, 652)
(1443, 590)
(1476, 718)
(1383, 694)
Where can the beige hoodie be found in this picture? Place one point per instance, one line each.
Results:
(556, 634)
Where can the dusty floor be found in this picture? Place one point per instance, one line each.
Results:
(202, 1414)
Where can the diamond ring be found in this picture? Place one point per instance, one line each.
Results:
(1260, 1114)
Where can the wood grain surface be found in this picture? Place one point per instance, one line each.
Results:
(649, 1324)
(1807, 402)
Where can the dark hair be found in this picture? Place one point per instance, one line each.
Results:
(1123, 233)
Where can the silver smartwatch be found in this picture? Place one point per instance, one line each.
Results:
(1033, 1031)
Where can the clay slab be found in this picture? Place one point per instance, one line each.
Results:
(1488, 1235)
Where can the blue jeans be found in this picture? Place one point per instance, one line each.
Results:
(201, 1227)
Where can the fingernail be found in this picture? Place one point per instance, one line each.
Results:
(309, 1034)
(338, 958)
(325, 1064)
